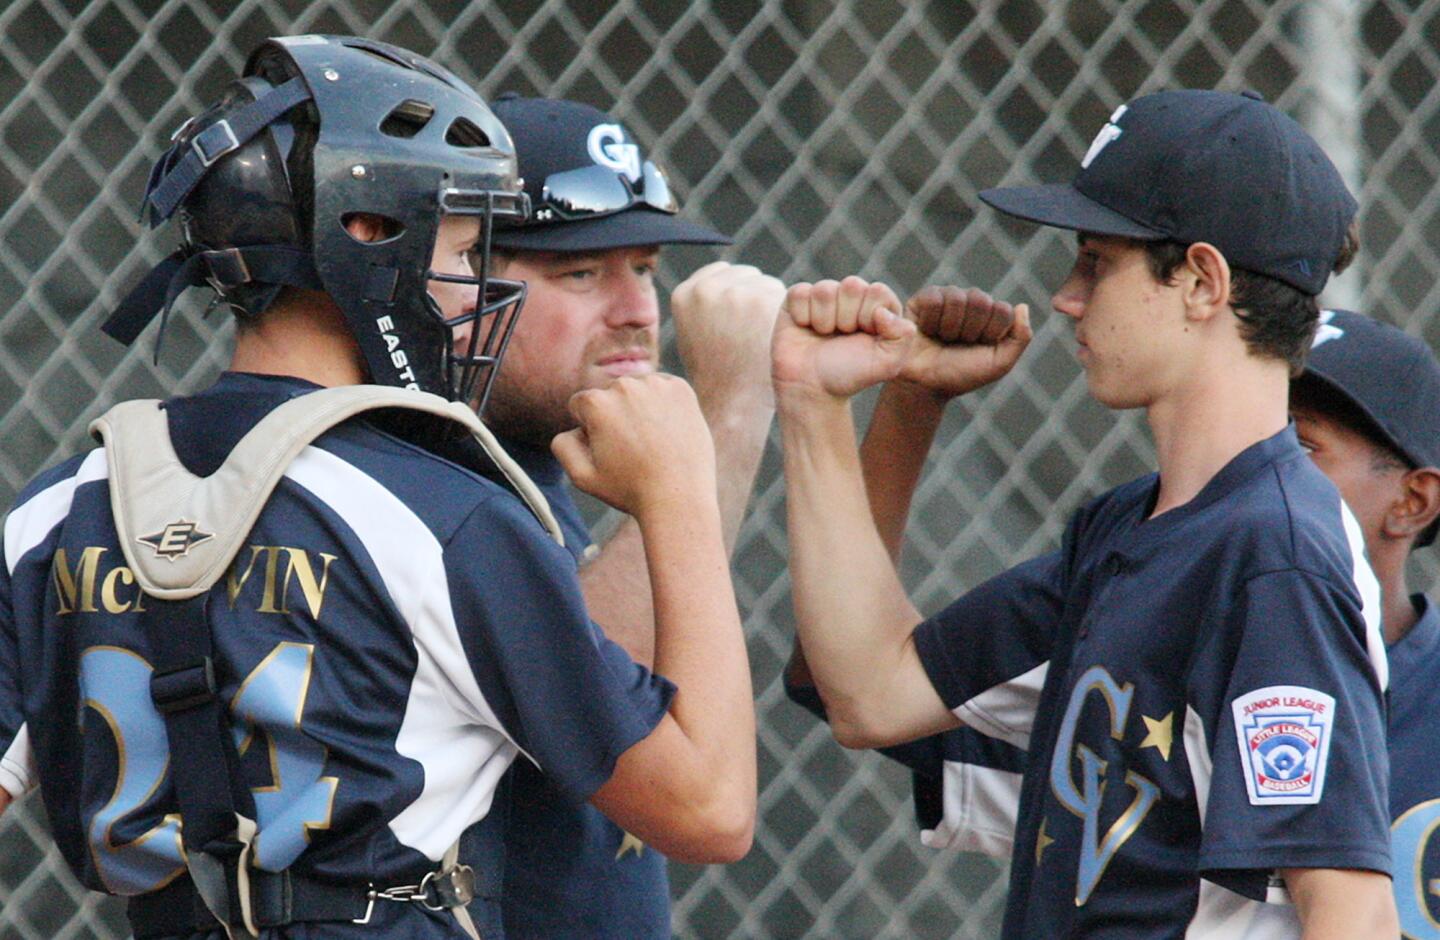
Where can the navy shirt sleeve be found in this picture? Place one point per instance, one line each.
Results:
(571, 700)
(1297, 740)
(987, 652)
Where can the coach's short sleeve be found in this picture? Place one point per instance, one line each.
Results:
(986, 653)
(1299, 762)
(570, 699)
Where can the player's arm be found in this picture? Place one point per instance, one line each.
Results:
(688, 788)
(724, 315)
(1339, 904)
(853, 618)
(4, 800)
(965, 339)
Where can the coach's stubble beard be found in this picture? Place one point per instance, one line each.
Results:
(532, 409)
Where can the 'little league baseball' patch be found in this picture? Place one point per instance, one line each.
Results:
(1284, 735)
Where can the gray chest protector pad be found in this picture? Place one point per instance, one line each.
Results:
(150, 488)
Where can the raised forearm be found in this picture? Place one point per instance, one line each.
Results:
(852, 616)
(700, 646)
(740, 429)
(893, 455)
(617, 583)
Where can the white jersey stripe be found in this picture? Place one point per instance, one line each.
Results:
(29, 524)
(1007, 711)
(1224, 915)
(17, 764)
(1369, 589)
(1197, 755)
(981, 807)
(448, 727)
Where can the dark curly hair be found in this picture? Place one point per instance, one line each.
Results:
(1277, 321)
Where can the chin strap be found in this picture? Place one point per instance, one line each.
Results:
(221, 270)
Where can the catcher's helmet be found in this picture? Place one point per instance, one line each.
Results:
(321, 129)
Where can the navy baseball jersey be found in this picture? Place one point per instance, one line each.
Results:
(1200, 698)
(570, 871)
(966, 785)
(1414, 779)
(394, 632)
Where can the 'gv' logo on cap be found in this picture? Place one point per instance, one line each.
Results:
(608, 148)
(1109, 132)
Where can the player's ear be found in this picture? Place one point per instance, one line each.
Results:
(1417, 506)
(367, 227)
(1205, 280)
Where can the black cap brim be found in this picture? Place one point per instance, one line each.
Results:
(630, 229)
(1061, 205)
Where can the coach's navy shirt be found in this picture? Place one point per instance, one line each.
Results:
(1415, 774)
(1200, 698)
(394, 632)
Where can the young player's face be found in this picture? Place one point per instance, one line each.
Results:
(453, 244)
(588, 319)
(1126, 322)
(1367, 475)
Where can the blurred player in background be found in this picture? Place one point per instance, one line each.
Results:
(1367, 409)
(1197, 673)
(601, 212)
(313, 747)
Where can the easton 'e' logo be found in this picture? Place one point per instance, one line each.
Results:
(176, 539)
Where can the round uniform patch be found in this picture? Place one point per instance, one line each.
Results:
(1284, 737)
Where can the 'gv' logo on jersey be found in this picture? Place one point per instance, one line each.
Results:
(1084, 799)
(1108, 133)
(608, 147)
(1410, 837)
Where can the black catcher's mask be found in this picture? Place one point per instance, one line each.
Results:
(319, 131)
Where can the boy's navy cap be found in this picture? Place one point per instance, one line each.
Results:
(1392, 379)
(1204, 166)
(552, 136)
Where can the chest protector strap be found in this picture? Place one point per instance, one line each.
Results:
(179, 534)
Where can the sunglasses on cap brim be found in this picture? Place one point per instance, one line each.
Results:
(592, 191)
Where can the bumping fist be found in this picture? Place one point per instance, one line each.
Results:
(835, 338)
(641, 445)
(966, 339)
(724, 315)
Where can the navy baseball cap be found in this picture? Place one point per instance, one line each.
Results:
(1392, 379)
(1204, 166)
(590, 186)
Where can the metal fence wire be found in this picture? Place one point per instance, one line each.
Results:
(830, 138)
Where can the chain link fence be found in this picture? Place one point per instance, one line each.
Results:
(831, 138)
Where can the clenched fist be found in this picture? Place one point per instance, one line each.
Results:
(724, 315)
(835, 338)
(966, 339)
(641, 446)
